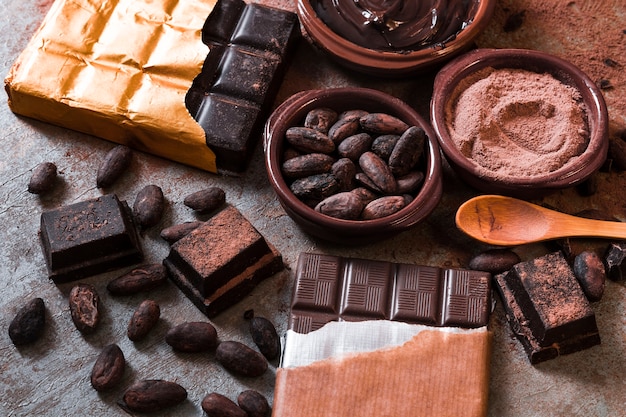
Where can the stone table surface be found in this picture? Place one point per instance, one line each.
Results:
(51, 377)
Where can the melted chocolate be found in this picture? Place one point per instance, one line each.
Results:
(396, 25)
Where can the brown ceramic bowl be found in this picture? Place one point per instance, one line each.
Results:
(292, 112)
(390, 63)
(521, 186)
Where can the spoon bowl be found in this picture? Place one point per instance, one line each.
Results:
(506, 221)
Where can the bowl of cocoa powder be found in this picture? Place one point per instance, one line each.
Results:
(394, 38)
(352, 165)
(519, 122)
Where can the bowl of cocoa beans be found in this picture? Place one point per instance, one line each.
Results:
(352, 165)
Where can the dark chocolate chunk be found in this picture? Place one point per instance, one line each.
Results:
(250, 48)
(89, 238)
(332, 288)
(546, 308)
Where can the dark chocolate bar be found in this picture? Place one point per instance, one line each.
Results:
(250, 48)
(221, 261)
(89, 238)
(546, 308)
(331, 288)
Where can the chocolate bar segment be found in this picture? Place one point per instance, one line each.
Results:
(332, 288)
(89, 238)
(546, 308)
(250, 48)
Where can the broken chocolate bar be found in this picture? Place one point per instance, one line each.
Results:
(250, 46)
(89, 238)
(546, 308)
(221, 261)
(331, 288)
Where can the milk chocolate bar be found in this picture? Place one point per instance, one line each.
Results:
(331, 288)
(221, 261)
(250, 46)
(546, 308)
(89, 238)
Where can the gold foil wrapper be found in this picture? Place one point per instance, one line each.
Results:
(119, 70)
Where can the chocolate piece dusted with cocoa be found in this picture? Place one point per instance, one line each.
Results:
(221, 261)
(331, 288)
(546, 308)
(250, 49)
(89, 238)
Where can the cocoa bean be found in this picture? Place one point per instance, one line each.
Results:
(315, 187)
(344, 172)
(29, 323)
(174, 233)
(408, 151)
(145, 317)
(320, 119)
(345, 205)
(364, 194)
(383, 145)
(151, 395)
(192, 337)
(85, 307)
(218, 405)
(614, 261)
(494, 261)
(115, 163)
(383, 124)
(354, 146)
(591, 274)
(142, 278)
(207, 200)
(367, 183)
(307, 165)
(265, 337)
(241, 359)
(148, 207)
(377, 170)
(253, 403)
(309, 140)
(383, 206)
(109, 368)
(346, 125)
(410, 182)
(617, 153)
(43, 178)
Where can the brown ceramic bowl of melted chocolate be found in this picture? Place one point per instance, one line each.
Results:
(294, 111)
(394, 38)
(519, 122)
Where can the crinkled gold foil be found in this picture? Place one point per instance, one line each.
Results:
(119, 70)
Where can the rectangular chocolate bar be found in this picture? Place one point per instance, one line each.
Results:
(546, 308)
(331, 288)
(250, 46)
(89, 238)
(221, 261)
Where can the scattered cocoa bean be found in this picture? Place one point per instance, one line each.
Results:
(344, 171)
(192, 337)
(115, 163)
(253, 403)
(378, 171)
(265, 337)
(145, 317)
(614, 261)
(151, 395)
(43, 178)
(354, 146)
(346, 125)
(617, 153)
(345, 205)
(383, 206)
(29, 323)
(315, 187)
(383, 123)
(207, 200)
(383, 145)
(218, 405)
(408, 151)
(241, 359)
(591, 274)
(514, 21)
(174, 233)
(495, 260)
(109, 368)
(309, 140)
(307, 165)
(320, 119)
(139, 279)
(410, 182)
(85, 307)
(148, 207)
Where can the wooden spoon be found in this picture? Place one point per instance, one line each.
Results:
(506, 221)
